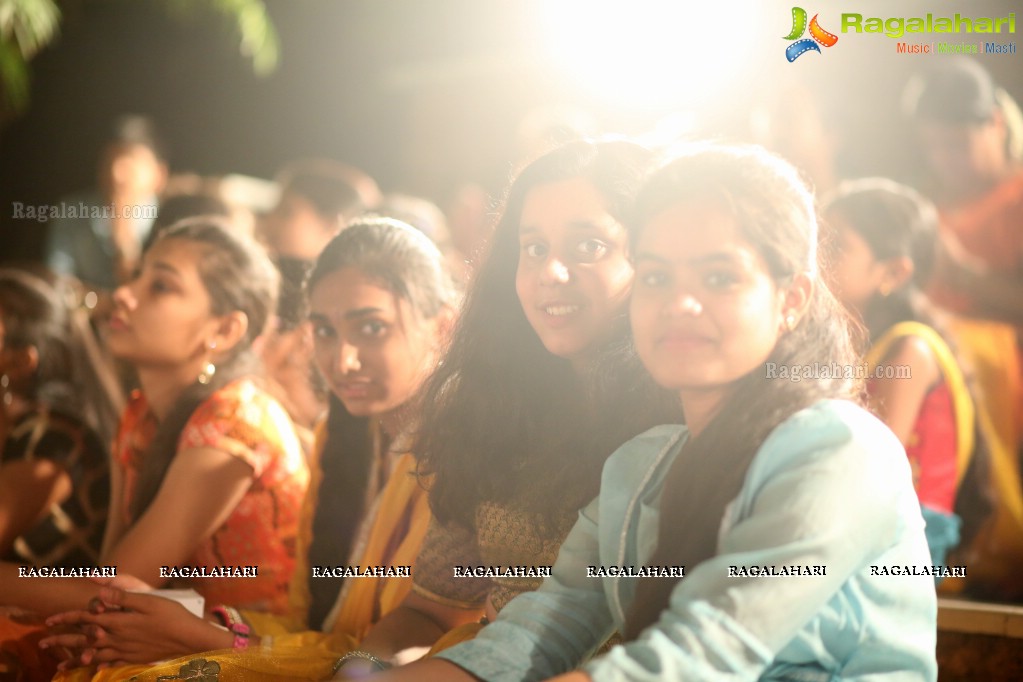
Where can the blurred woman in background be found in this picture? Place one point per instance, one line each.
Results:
(881, 240)
(55, 427)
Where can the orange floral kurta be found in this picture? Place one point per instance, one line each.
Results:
(242, 420)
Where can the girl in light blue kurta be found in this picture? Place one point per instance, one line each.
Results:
(778, 471)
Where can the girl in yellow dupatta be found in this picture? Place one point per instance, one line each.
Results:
(380, 307)
(882, 239)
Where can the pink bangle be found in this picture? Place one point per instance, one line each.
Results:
(234, 623)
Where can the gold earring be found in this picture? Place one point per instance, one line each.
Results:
(206, 375)
(885, 289)
(5, 385)
(790, 322)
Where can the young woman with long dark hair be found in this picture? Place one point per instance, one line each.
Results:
(539, 386)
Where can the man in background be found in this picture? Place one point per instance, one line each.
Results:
(100, 240)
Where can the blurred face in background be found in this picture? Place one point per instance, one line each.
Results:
(853, 274)
(965, 158)
(294, 229)
(131, 170)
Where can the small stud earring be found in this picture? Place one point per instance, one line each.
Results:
(790, 322)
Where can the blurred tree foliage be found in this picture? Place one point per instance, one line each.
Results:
(28, 26)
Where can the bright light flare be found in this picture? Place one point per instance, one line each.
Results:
(649, 53)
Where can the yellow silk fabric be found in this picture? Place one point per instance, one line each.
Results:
(397, 531)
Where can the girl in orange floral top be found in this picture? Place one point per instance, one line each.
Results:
(242, 421)
(208, 471)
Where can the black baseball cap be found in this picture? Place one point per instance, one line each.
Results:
(957, 90)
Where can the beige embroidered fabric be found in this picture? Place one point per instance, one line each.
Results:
(504, 536)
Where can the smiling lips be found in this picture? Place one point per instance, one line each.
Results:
(561, 309)
(558, 314)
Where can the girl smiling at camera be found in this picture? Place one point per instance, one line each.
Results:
(539, 386)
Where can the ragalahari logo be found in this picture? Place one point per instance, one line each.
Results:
(818, 35)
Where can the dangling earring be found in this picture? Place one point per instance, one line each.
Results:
(5, 385)
(206, 375)
(885, 289)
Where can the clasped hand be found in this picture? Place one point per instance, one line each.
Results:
(117, 628)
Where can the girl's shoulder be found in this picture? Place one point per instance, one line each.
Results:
(830, 433)
(242, 399)
(830, 421)
(242, 418)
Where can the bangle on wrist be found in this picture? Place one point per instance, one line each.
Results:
(375, 664)
(232, 620)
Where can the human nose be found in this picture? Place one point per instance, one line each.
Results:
(555, 271)
(683, 302)
(124, 297)
(348, 358)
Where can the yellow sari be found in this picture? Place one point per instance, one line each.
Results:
(394, 537)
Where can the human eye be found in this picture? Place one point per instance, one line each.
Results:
(373, 329)
(323, 332)
(158, 286)
(591, 249)
(720, 279)
(534, 250)
(652, 279)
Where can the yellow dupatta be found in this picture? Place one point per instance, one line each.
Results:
(394, 539)
(990, 347)
(962, 403)
(395, 535)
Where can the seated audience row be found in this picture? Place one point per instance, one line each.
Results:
(547, 320)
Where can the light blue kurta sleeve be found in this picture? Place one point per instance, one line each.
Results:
(830, 487)
(543, 633)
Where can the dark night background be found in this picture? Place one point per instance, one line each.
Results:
(423, 95)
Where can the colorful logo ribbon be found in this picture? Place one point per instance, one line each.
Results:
(818, 35)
